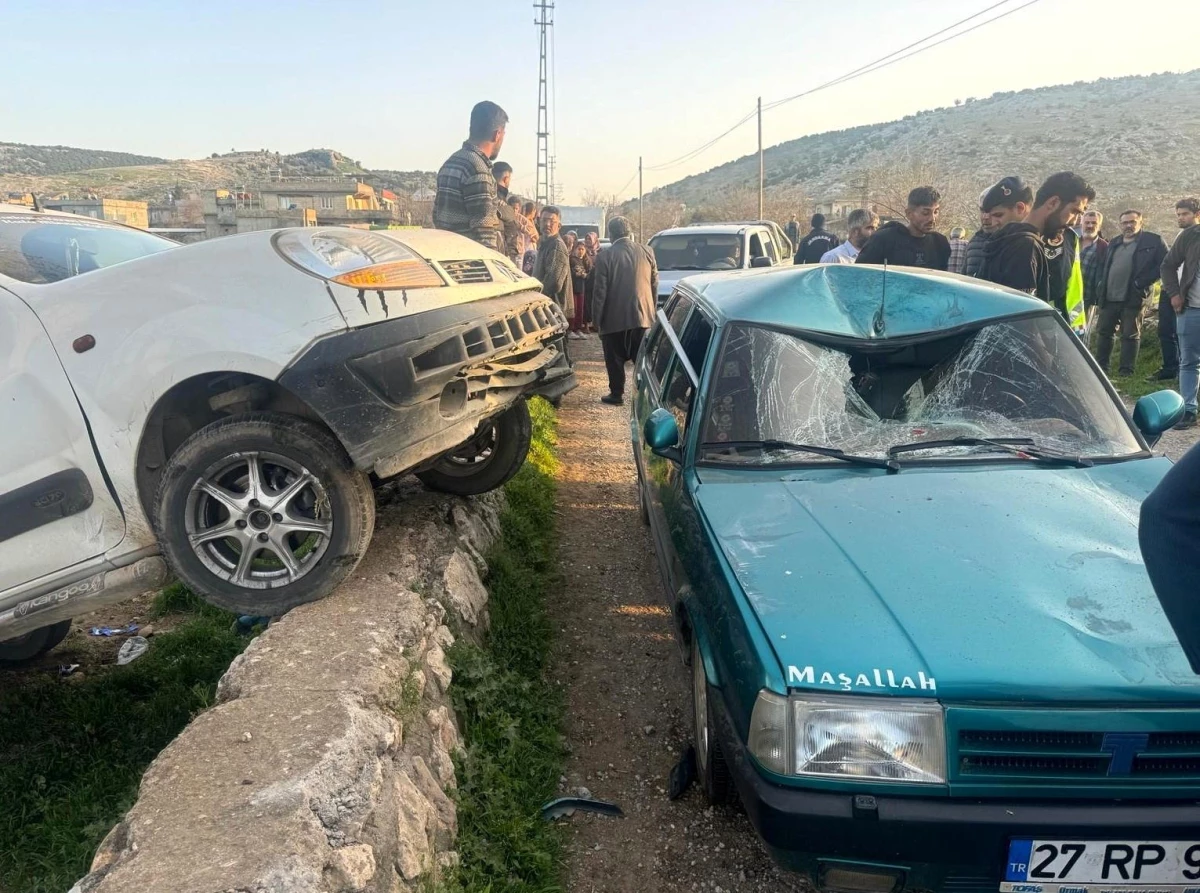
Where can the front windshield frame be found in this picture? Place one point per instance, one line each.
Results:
(33, 221)
(703, 457)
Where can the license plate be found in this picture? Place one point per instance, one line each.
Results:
(1078, 866)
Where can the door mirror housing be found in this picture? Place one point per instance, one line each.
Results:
(763, 261)
(1157, 412)
(661, 434)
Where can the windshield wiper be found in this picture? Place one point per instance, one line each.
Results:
(680, 268)
(889, 464)
(1018, 446)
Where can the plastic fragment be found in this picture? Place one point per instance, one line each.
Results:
(133, 648)
(682, 775)
(568, 806)
(108, 631)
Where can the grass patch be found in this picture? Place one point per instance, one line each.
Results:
(1149, 361)
(510, 713)
(72, 751)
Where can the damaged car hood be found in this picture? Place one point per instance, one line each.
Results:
(997, 581)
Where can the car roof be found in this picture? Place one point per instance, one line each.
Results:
(701, 228)
(845, 299)
(6, 208)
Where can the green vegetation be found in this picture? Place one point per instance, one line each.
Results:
(73, 750)
(41, 161)
(510, 712)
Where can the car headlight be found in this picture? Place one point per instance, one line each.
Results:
(357, 258)
(857, 737)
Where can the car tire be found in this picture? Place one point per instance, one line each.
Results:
(711, 768)
(314, 506)
(495, 452)
(34, 643)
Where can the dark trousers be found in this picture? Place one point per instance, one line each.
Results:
(1169, 534)
(1127, 317)
(620, 348)
(1167, 335)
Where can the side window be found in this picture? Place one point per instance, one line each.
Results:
(677, 312)
(680, 392)
(658, 350)
(769, 245)
(756, 248)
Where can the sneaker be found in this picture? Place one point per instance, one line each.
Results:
(1187, 422)
(1164, 375)
(574, 336)
(616, 400)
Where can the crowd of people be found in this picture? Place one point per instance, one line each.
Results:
(610, 292)
(1048, 244)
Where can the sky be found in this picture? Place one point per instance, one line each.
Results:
(391, 84)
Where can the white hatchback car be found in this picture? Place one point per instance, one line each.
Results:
(227, 404)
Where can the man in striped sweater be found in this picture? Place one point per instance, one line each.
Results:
(466, 200)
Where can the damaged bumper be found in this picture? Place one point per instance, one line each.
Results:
(402, 392)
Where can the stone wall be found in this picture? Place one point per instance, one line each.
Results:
(326, 763)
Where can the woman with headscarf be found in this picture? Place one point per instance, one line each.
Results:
(581, 270)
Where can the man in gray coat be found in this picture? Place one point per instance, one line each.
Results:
(623, 303)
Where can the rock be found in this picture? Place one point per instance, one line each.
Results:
(437, 670)
(351, 868)
(465, 596)
(412, 823)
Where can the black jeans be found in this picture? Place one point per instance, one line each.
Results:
(1169, 534)
(1167, 335)
(620, 348)
(1128, 316)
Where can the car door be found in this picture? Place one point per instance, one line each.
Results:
(671, 513)
(55, 507)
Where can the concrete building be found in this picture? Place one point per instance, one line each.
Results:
(337, 201)
(227, 213)
(130, 213)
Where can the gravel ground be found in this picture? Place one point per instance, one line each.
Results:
(629, 707)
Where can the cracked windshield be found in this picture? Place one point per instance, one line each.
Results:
(1020, 379)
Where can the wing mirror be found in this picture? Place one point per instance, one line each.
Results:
(661, 434)
(763, 261)
(1156, 413)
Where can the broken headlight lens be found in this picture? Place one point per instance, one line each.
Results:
(872, 739)
(357, 258)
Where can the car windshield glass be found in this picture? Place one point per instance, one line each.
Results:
(698, 251)
(1015, 378)
(46, 248)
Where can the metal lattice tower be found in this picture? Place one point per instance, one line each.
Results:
(544, 21)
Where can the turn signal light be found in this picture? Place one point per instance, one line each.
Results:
(399, 274)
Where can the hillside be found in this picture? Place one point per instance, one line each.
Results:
(1137, 139)
(150, 179)
(17, 158)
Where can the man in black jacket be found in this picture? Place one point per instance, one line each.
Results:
(1133, 266)
(816, 243)
(911, 244)
(1038, 255)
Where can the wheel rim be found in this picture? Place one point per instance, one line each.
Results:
(700, 707)
(258, 520)
(471, 457)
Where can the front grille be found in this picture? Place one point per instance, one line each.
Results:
(467, 272)
(1058, 755)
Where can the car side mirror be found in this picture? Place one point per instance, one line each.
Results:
(763, 261)
(1157, 412)
(661, 434)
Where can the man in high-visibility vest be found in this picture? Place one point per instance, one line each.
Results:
(1041, 254)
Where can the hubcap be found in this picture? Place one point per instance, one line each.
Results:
(476, 451)
(258, 520)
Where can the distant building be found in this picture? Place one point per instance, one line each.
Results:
(337, 201)
(227, 213)
(130, 213)
(19, 198)
(161, 214)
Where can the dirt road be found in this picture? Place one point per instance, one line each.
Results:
(629, 708)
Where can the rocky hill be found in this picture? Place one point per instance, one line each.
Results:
(50, 170)
(1137, 139)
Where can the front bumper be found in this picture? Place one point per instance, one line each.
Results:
(400, 393)
(944, 843)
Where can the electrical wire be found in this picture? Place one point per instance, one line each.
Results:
(888, 60)
(690, 155)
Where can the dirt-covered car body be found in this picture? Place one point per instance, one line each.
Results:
(896, 517)
(117, 346)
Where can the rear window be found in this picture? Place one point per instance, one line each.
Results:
(41, 248)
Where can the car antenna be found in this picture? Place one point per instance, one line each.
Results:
(878, 324)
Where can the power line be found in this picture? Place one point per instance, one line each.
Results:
(690, 155)
(885, 61)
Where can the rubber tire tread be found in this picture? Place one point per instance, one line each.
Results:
(38, 642)
(514, 433)
(715, 781)
(314, 447)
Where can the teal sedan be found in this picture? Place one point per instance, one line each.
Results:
(895, 514)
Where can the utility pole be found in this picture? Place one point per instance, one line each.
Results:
(544, 21)
(760, 161)
(641, 232)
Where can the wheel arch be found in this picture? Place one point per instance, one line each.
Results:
(691, 628)
(191, 404)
